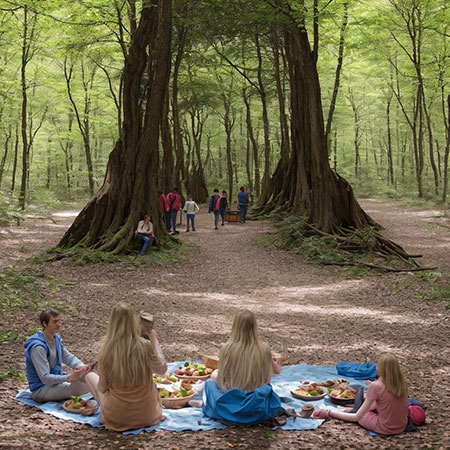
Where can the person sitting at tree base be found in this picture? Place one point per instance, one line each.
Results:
(145, 232)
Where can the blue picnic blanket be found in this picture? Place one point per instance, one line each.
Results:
(193, 419)
(360, 371)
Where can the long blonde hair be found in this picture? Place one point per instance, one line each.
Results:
(244, 361)
(125, 356)
(391, 374)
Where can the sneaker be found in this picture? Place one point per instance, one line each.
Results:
(187, 231)
(176, 232)
(215, 228)
(193, 229)
(223, 224)
(172, 233)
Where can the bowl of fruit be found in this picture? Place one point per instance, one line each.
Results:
(77, 405)
(193, 371)
(175, 399)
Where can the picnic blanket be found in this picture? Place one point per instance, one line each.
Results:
(193, 419)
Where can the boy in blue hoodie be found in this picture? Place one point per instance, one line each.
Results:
(45, 354)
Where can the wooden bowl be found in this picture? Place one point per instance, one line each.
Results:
(211, 362)
(177, 402)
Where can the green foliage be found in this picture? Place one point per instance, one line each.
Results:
(9, 212)
(82, 257)
(13, 374)
(24, 290)
(11, 336)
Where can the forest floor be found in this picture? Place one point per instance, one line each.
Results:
(313, 314)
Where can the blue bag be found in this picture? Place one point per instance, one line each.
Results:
(360, 371)
(240, 407)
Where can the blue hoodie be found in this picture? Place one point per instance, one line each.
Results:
(32, 342)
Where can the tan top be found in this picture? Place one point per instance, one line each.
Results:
(144, 228)
(130, 408)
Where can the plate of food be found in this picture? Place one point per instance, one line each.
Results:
(308, 391)
(193, 371)
(77, 405)
(166, 379)
(342, 394)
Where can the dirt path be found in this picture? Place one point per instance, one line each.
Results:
(313, 314)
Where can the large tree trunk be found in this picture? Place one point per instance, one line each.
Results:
(129, 190)
(309, 185)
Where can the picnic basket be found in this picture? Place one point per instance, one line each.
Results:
(176, 402)
(212, 362)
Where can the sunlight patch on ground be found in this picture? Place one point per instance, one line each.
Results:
(66, 214)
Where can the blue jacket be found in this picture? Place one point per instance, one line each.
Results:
(243, 198)
(32, 342)
(212, 202)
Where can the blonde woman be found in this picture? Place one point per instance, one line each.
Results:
(242, 393)
(124, 387)
(385, 408)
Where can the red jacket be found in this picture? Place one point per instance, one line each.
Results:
(173, 202)
(162, 202)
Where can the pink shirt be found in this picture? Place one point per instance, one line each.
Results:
(388, 414)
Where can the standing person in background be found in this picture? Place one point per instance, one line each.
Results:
(223, 205)
(214, 206)
(45, 356)
(190, 207)
(162, 206)
(173, 205)
(243, 203)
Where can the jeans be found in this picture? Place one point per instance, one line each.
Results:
(190, 217)
(168, 220)
(147, 240)
(243, 209)
(173, 220)
(222, 214)
(216, 217)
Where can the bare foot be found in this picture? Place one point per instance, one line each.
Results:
(162, 418)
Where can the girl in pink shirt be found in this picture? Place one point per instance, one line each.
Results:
(385, 408)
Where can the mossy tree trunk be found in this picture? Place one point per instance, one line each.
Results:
(130, 187)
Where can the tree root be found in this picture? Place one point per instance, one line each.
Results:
(378, 267)
(371, 241)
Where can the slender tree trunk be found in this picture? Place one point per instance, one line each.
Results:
(23, 79)
(229, 119)
(337, 75)
(180, 175)
(389, 143)
(8, 134)
(447, 149)
(16, 154)
(253, 141)
(167, 176)
(265, 118)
